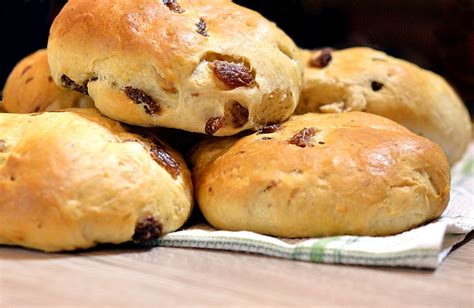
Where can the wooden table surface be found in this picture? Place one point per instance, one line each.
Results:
(170, 276)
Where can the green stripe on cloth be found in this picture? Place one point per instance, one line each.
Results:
(468, 168)
(318, 250)
(422, 247)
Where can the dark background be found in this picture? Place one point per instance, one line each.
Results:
(435, 34)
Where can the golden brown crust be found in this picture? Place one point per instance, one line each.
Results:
(192, 62)
(74, 179)
(363, 79)
(30, 88)
(357, 174)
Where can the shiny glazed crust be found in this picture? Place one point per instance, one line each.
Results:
(30, 88)
(202, 66)
(363, 79)
(74, 179)
(322, 175)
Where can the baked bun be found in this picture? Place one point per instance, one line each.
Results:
(30, 88)
(368, 80)
(203, 66)
(321, 175)
(74, 179)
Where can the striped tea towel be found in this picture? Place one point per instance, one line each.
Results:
(423, 247)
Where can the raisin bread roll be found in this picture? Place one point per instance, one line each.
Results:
(30, 88)
(322, 175)
(363, 79)
(74, 179)
(203, 66)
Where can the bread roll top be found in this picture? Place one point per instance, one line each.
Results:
(203, 66)
(321, 175)
(73, 179)
(363, 79)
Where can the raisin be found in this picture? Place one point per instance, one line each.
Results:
(240, 115)
(234, 75)
(322, 59)
(70, 84)
(376, 86)
(268, 129)
(149, 228)
(84, 87)
(157, 150)
(271, 185)
(302, 138)
(26, 69)
(3, 147)
(50, 79)
(164, 159)
(214, 124)
(174, 6)
(141, 98)
(202, 27)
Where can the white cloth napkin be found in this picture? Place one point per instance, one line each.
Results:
(423, 247)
